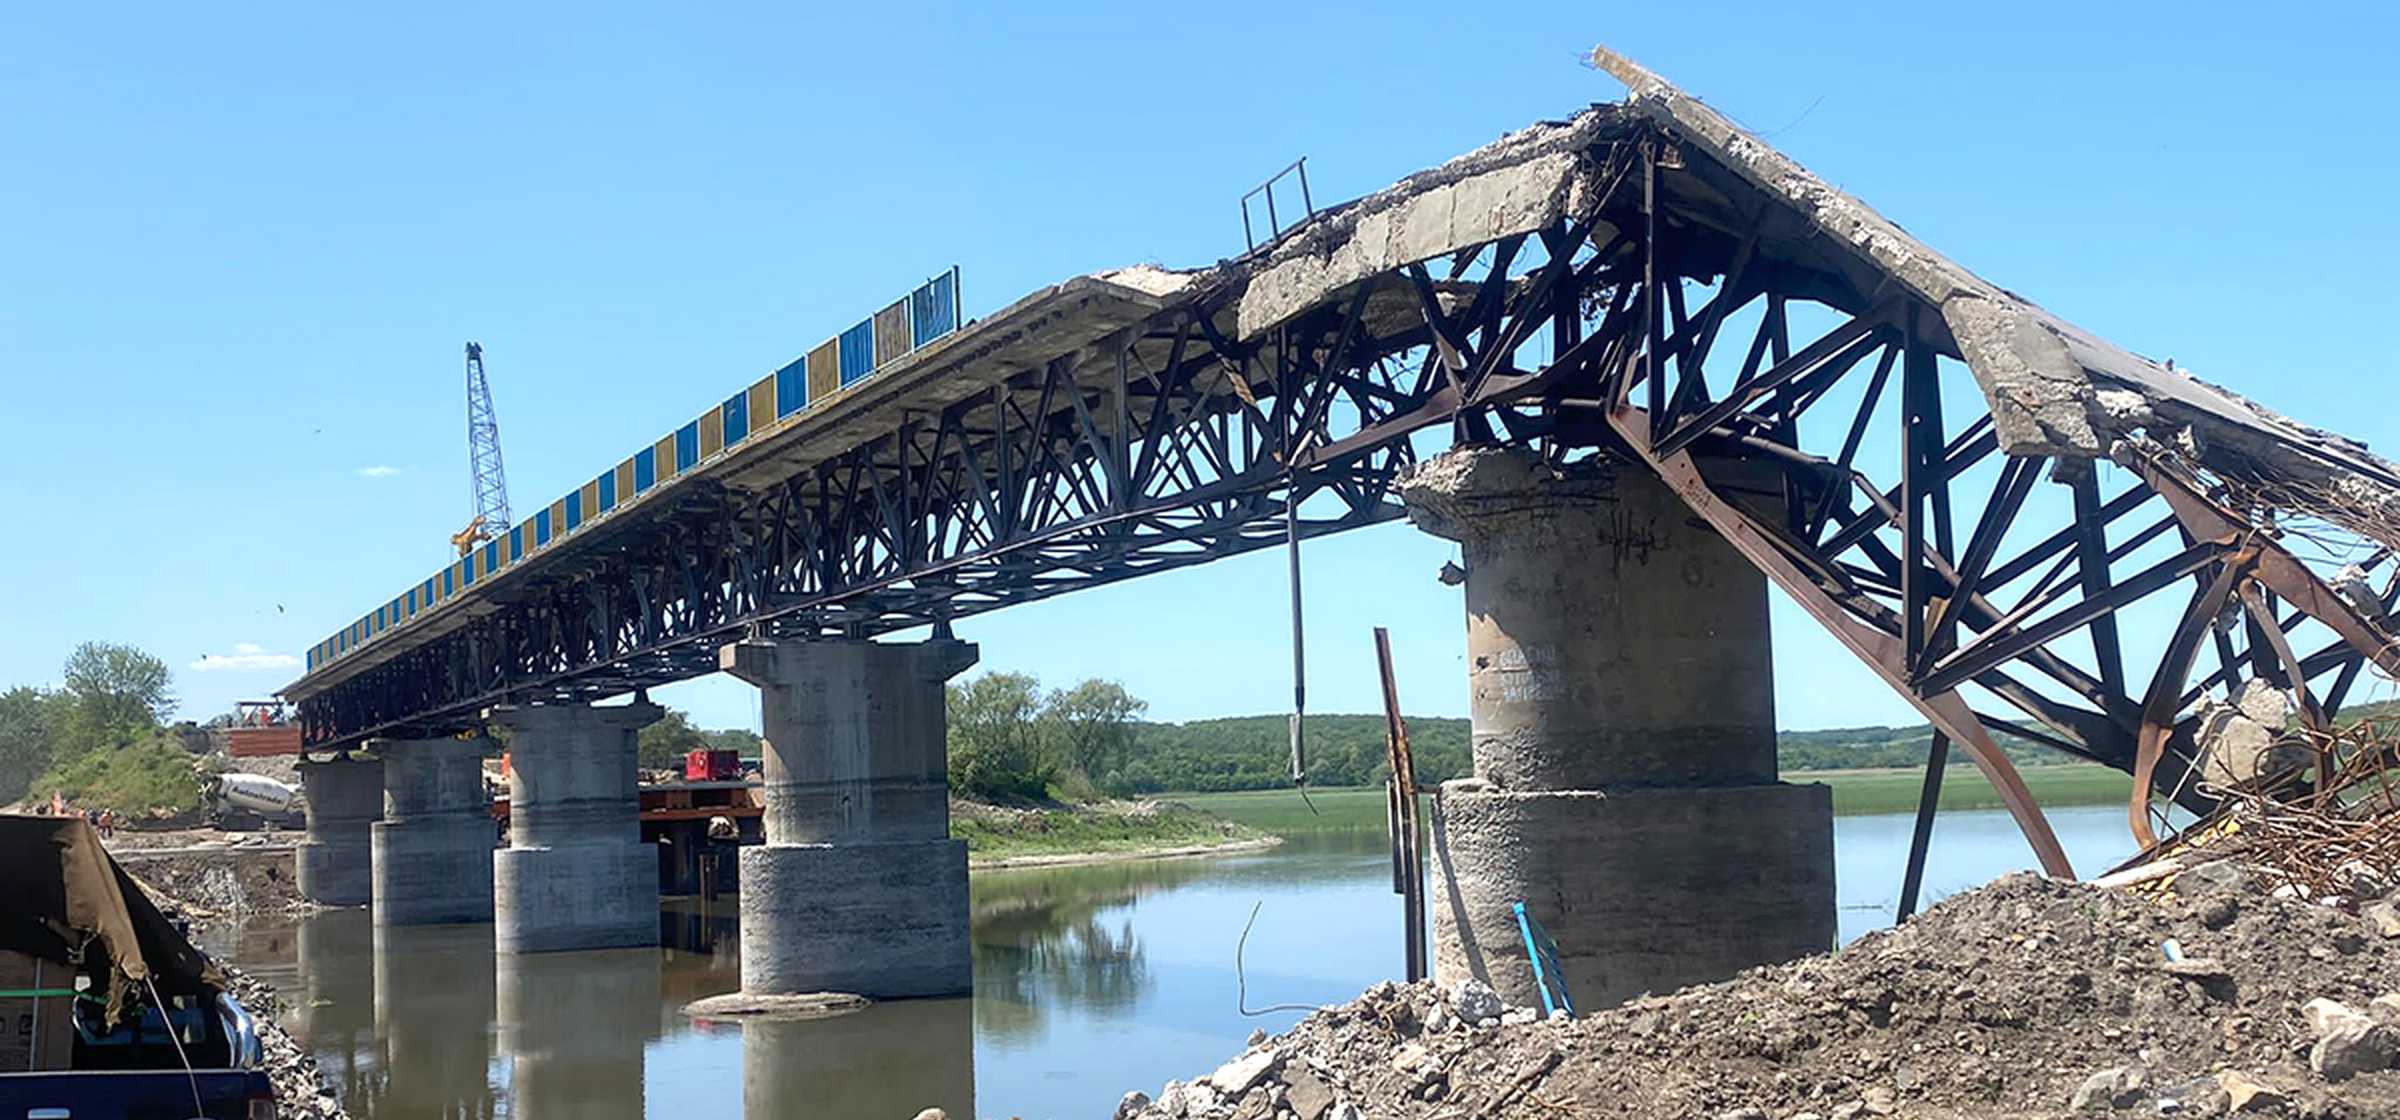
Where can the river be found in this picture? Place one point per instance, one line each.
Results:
(1089, 981)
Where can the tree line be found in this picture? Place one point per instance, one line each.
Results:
(102, 737)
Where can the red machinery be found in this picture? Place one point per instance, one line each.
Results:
(706, 765)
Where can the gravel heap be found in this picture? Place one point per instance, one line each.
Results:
(2202, 996)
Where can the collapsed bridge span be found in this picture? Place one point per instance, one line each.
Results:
(1667, 330)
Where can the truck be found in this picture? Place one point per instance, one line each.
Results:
(106, 1008)
(247, 801)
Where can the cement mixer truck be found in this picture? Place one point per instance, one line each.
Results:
(249, 801)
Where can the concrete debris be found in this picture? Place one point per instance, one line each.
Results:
(2245, 744)
(1475, 1001)
(2244, 1093)
(1236, 1077)
(2348, 1043)
(2112, 1088)
(2028, 997)
(1132, 1105)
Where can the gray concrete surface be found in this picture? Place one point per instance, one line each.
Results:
(433, 847)
(335, 861)
(859, 888)
(882, 920)
(575, 874)
(1644, 890)
(1621, 699)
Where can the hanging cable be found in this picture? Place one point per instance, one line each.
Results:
(189, 1074)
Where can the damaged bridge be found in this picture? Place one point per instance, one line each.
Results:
(1640, 364)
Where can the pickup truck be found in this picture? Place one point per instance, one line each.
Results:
(138, 1071)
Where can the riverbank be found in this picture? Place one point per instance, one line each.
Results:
(2027, 997)
(1284, 812)
(1051, 835)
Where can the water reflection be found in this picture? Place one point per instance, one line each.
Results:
(1088, 981)
(573, 1027)
(1040, 946)
(434, 1005)
(890, 1060)
(337, 1012)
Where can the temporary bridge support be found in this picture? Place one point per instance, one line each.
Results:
(859, 887)
(1622, 704)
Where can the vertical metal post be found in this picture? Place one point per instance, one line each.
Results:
(1916, 378)
(1291, 547)
(1913, 879)
(1655, 374)
(1408, 872)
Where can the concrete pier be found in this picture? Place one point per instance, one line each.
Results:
(859, 887)
(575, 874)
(335, 865)
(433, 847)
(1622, 705)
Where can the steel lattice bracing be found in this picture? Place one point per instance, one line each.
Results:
(2027, 533)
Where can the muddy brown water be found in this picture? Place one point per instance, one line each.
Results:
(1089, 980)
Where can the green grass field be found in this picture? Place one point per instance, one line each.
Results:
(1282, 812)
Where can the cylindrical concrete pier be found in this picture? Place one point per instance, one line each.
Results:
(859, 887)
(1622, 704)
(433, 847)
(575, 874)
(335, 864)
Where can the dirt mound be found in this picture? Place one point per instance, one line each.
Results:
(2026, 998)
(222, 883)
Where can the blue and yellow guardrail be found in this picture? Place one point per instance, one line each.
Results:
(915, 320)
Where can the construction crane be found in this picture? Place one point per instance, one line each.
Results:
(483, 455)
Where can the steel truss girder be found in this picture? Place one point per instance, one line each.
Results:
(1174, 444)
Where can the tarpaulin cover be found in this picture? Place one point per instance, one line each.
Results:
(63, 899)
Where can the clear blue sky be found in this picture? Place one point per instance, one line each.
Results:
(240, 249)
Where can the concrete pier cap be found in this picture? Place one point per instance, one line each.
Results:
(575, 874)
(335, 863)
(433, 847)
(1621, 699)
(859, 887)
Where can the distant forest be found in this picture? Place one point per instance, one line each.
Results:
(1253, 752)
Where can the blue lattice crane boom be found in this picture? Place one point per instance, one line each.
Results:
(483, 457)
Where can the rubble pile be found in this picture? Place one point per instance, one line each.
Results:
(2207, 994)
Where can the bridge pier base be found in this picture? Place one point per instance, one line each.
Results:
(575, 874)
(859, 887)
(335, 864)
(1622, 705)
(433, 847)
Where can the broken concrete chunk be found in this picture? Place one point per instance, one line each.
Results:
(1235, 1078)
(2384, 916)
(1475, 1001)
(2348, 1042)
(2112, 1088)
(1132, 1104)
(2244, 1093)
